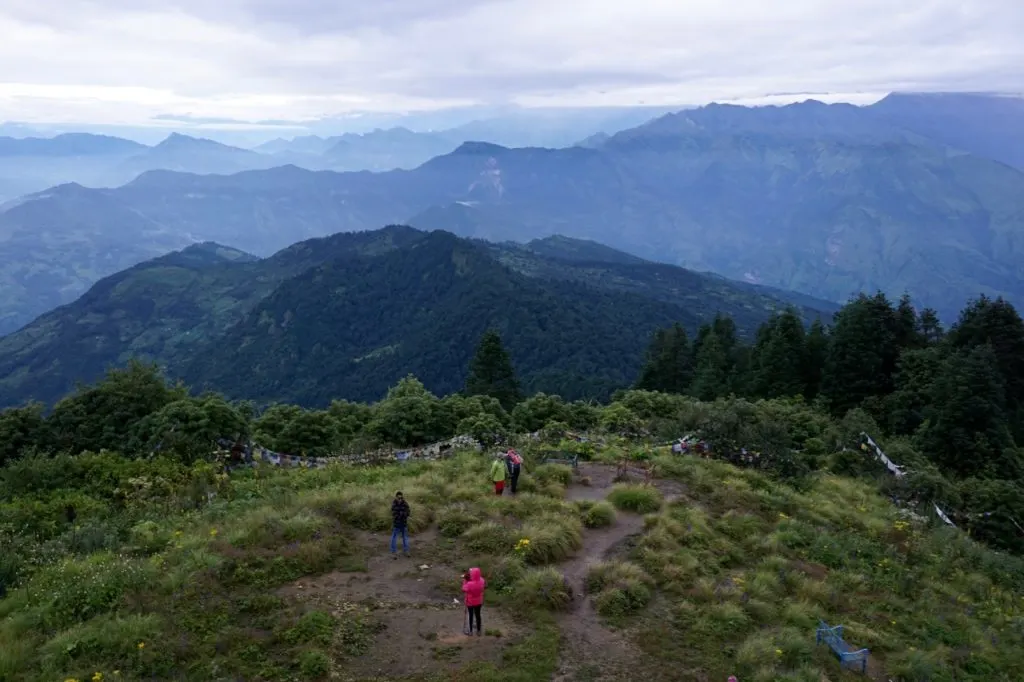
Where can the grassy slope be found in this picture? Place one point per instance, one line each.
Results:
(737, 570)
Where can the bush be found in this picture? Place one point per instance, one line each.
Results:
(559, 473)
(551, 538)
(316, 627)
(596, 514)
(543, 588)
(456, 519)
(488, 538)
(507, 572)
(641, 499)
(314, 664)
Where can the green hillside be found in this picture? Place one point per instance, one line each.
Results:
(166, 567)
(349, 315)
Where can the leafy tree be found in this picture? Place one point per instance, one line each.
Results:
(484, 427)
(105, 415)
(22, 429)
(533, 413)
(189, 428)
(408, 415)
(668, 364)
(491, 372)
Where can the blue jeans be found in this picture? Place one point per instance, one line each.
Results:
(395, 530)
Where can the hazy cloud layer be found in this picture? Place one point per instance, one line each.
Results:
(129, 60)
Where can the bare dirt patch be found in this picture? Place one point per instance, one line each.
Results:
(425, 641)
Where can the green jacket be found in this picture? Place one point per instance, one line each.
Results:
(498, 471)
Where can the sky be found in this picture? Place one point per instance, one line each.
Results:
(233, 61)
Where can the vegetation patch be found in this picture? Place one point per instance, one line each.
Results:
(640, 499)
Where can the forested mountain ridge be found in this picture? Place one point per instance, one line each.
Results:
(820, 199)
(186, 309)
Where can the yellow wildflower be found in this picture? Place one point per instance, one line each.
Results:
(213, 532)
(141, 645)
(97, 677)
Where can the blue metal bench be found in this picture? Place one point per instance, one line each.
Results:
(833, 636)
(567, 459)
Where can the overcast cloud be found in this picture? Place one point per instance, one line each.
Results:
(130, 60)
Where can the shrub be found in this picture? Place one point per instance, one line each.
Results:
(314, 664)
(507, 572)
(559, 473)
(316, 627)
(597, 514)
(621, 588)
(543, 588)
(75, 591)
(552, 538)
(488, 538)
(456, 519)
(641, 499)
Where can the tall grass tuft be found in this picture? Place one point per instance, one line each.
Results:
(640, 499)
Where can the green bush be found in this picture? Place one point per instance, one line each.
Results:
(600, 515)
(315, 627)
(543, 588)
(551, 538)
(488, 538)
(506, 572)
(641, 499)
(456, 519)
(558, 473)
(314, 665)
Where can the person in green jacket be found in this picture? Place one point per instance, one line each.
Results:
(498, 473)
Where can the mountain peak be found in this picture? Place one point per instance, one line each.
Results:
(180, 142)
(478, 148)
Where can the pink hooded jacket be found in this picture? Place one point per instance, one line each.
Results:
(474, 588)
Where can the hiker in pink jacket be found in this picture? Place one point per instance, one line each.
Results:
(473, 588)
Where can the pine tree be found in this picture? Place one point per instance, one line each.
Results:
(668, 366)
(965, 432)
(711, 373)
(815, 351)
(779, 370)
(491, 372)
(996, 323)
(862, 354)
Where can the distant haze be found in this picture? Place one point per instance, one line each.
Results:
(270, 68)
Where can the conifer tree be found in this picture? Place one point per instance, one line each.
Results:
(815, 351)
(711, 372)
(779, 370)
(491, 372)
(966, 432)
(862, 354)
(668, 365)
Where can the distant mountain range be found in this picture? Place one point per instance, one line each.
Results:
(826, 200)
(349, 315)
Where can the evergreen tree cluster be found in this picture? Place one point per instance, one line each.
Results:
(954, 401)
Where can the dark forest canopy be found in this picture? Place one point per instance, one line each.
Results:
(949, 405)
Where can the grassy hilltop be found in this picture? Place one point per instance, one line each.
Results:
(709, 570)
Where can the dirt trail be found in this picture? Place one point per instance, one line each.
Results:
(591, 651)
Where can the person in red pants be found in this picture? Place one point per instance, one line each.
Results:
(498, 473)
